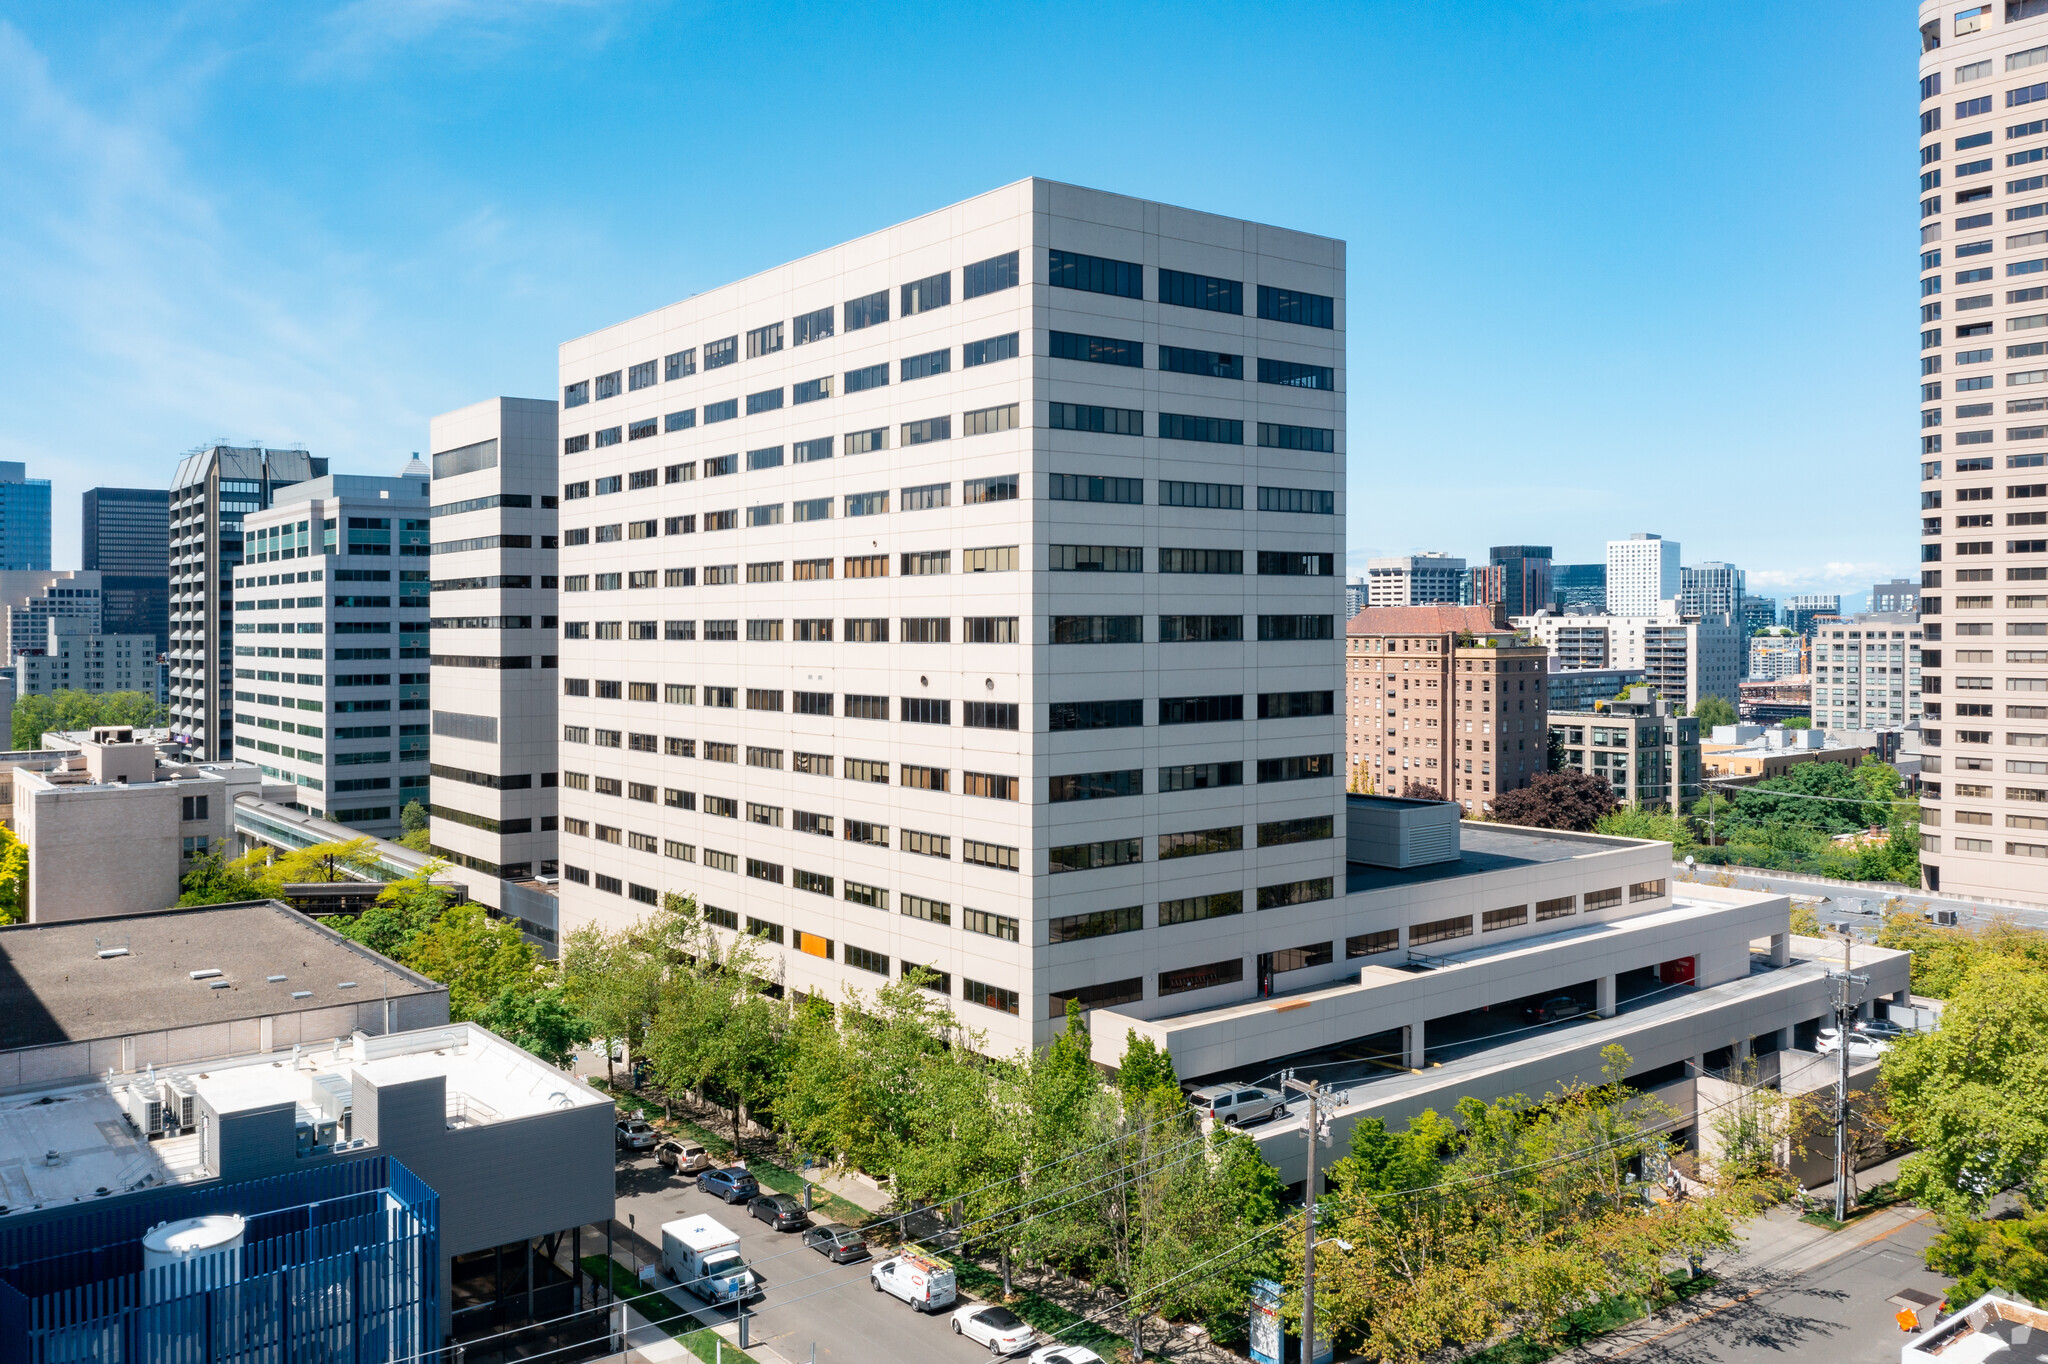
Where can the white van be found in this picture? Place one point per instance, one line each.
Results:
(926, 1284)
(703, 1255)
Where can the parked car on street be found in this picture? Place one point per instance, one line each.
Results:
(927, 1285)
(1553, 1009)
(779, 1211)
(1002, 1330)
(1236, 1105)
(839, 1244)
(684, 1157)
(1065, 1354)
(731, 1183)
(636, 1134)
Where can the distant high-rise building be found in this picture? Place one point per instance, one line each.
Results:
(29, 602)
(1758, 613)
(1354, 597)
(1780, 653)
(1578, 588)
(1800, 610)
(1895, 597)
(1683, 657)
(1711, 589)
(1527, 579)
(211, 492)
(75, 657)
(24, 518)
(1485, 585)
(1414, 579)
(1642, 573)
(126, 537)
(338, 566)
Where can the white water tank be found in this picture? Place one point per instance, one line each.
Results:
(209, 1248)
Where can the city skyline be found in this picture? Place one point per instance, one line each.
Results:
(305, 283)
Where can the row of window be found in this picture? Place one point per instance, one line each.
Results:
(925, 563)
(1116, 421)
(922, 497)
(974, 630)
(1085, 786)
(1061, 715)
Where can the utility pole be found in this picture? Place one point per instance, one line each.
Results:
(1846, 998)
(1316, 1132)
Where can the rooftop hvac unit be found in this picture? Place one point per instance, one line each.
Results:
(145, 1109)
(180, 1103)
(331, 1094)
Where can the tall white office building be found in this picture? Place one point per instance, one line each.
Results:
(1642, 574)
(1414, 579)
(1983, 448)
(965, 596)
(331, 653)
(493, 809)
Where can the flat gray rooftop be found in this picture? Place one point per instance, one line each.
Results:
(54, 987)
(1484, 847)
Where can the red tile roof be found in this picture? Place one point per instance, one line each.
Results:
(1437, 618)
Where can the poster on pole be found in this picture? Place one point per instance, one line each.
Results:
(1266, 1335)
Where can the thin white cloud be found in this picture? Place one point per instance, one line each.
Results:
(352, 36)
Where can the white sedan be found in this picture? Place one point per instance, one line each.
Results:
(996, 1327)
(1065, 1354)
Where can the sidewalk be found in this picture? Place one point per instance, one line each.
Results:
(1776, 1248)
(647, 1343)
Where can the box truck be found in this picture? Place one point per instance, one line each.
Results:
(703, 1256)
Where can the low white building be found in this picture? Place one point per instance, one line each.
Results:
(1417, 986)
(111, 830)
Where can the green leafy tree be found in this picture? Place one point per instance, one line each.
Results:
(405, 910)
(1146, 1075)
(538, 1017)
(68, 710)
(2005, 1255)
(1639, 821)
(418, 835)
(1712, 711)
(13, 876)
(1973, 1096)
(1798, 722)
(1567, 799)
(475, 955)
(211, 879)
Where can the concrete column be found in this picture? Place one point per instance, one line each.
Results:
(1781, 949)
(1903, 998)
(1742, 1049)
(1604, 997)
(1414, 1040)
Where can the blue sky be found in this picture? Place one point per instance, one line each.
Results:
(1615, 265)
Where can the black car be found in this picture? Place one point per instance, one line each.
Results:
(779, 1211)
(836, 1243)
(1880, 1030)
(1553, 1009)
(732, 1184)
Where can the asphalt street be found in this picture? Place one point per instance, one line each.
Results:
(1836, 1311)
(1970, 911)
(808, 1300)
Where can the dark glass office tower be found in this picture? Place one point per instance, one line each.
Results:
(127, 538)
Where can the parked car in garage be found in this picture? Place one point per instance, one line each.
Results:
(1003, 1331)
(839, 1244)
(779, 1211)
(1236, 1105)
(1555, 1008)
(684, 1157)
(731, 1183)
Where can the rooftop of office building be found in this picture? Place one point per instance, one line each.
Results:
(1484, 848)
(69, 981)
(81, 1142)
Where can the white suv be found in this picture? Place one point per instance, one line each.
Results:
(1236, 1105)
